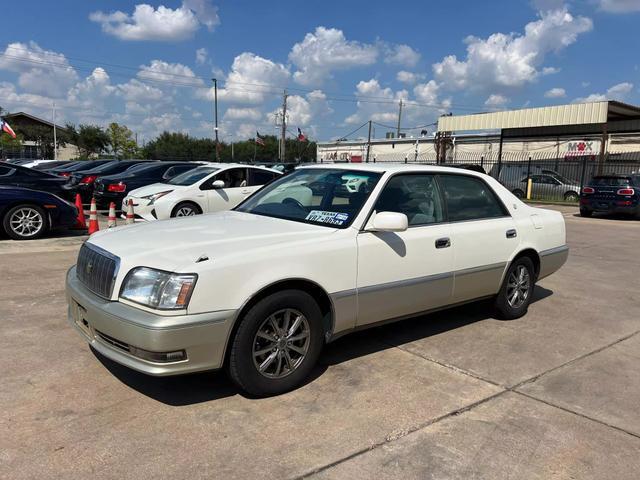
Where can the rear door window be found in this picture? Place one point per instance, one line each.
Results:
(260, 177)
(469, 198)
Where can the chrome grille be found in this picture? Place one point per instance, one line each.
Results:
(97, 269)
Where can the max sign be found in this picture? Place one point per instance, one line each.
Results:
(580, 148)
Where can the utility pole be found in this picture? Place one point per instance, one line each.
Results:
(283, 157)
(368, 143)
(399, 118)
(215, 109)
(55, 138)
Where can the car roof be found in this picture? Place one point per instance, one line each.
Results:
(390, 167)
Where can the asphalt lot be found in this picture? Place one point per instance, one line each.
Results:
(455, 394)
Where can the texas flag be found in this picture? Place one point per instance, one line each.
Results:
(301, 136)
(6, 128)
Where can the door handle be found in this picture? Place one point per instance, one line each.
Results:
(245, 192)
(443, 242)
(512, 233)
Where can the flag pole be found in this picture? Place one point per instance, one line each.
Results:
(255, 147)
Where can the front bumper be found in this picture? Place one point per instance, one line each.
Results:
(112, 327)
(141, 208)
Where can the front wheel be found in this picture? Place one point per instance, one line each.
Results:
(25, 222)
(277, 343)
(518, 193)
(186, 209)
(517, 288)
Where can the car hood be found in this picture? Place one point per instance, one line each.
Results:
(176, 244)
(154, 188)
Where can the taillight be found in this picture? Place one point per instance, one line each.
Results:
(626, 191)
(588, 190)
(65, 174)
(116, 187)
(87, 179)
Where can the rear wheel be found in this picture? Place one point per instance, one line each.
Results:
(515, 294)
(277, 343)
(25, 222)
(585, 213)
(186, 209)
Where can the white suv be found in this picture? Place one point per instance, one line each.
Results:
(209, 188)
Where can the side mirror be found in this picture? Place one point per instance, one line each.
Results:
(218, 184)
(389, 222)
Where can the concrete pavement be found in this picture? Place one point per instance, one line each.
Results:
(455, 394)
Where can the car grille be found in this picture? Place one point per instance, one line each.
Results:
(97, 270)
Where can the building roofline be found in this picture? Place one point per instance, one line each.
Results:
(32, 117)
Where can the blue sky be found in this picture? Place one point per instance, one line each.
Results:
(149, 65)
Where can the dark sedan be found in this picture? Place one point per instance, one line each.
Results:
(67, 170)
(113, 188)
(611, 194)
(27, 214)
(82, 181)
(18, 176)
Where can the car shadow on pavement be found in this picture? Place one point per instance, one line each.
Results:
(202, 387)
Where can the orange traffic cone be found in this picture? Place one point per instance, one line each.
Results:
(81, 223)
(130, 216)
(93, 218)
(111, 222)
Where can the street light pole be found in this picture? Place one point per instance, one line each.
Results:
(215, 108)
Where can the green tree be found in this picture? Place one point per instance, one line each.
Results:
(121, 142)
(179, 146)
(91, 140)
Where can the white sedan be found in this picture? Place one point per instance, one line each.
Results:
(261, 288)
(209, 188)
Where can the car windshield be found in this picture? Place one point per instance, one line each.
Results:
(560, 178)
(320, 196)
(192, 176)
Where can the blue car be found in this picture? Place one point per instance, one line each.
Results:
(27, 214)
(617, 194)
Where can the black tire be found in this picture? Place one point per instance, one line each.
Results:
(243, 368)
(504, 308)
(27, 231)
(585, 213)
(182, 206)
(571, 197)
(518, 193)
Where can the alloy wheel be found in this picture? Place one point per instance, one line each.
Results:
(185, 212)
(26, 222)
(518, 287)
(281, 343)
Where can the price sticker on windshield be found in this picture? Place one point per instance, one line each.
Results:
(332, 218)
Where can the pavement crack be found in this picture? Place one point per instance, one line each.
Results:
(582, 415)
(399, 435)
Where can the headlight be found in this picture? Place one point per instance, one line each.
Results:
(156, 196)
(158, 289)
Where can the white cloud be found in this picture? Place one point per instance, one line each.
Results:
(325, 51)
(245, 82)
(174, 73)
(555, 93)
(511, 60)
(550, 70)
(40, 71)
(616, 92)
(495, 101)
(205, 12)
(158, 24)
(201, 56)
(243, 114)
(303, 111)
(409, 77)
(402, 55)
(93, 91)
(619, 6)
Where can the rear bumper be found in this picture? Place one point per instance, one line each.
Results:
(116, 330)
(551, 260)
(85, 191)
